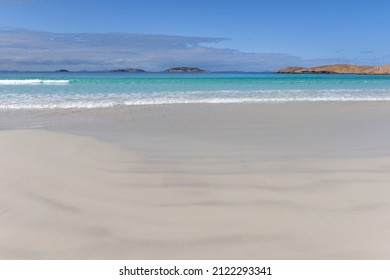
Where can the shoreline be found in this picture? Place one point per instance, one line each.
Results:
(291, 120)
(198, 181)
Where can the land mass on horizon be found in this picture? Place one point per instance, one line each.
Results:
(172, 70)
(129, 70)
(338, 69)
(185, 69)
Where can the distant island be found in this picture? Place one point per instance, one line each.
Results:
(176, 69)
(130, 70)
(62, 70)
(338, 69)
(185, 69)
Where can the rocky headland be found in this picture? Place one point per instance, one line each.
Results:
(185, 69)
(338, 69)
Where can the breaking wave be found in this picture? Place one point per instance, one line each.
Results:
(34, 82)
(96, 104)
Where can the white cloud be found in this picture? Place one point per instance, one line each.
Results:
(34, 50)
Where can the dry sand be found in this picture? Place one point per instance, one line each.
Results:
(260, 181)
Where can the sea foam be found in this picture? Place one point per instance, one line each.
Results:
(34, 82)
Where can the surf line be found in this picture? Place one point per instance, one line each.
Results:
(34, 82)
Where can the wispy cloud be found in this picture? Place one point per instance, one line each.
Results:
(34, 50)
(367, 52)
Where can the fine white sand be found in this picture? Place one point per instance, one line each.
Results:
(276, 181)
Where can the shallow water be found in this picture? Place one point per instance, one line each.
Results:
(33, 90)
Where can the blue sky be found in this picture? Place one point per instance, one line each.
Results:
(251, 35)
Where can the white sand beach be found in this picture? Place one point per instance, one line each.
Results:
(243, 181)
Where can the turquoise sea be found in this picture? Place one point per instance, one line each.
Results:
(68, 90)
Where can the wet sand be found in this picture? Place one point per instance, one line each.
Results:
(249, 181)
